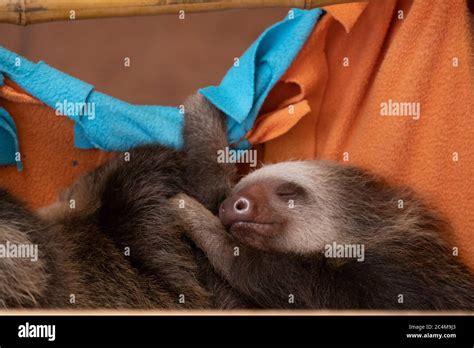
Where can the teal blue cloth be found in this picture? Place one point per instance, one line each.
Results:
(245, 87)
(115, 125)
(9, 147)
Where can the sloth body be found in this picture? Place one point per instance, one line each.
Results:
(272, 240)
(111, 240)
(125, 236)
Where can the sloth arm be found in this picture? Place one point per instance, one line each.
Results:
(206, 230)
(205, 134)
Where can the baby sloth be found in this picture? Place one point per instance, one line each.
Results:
(316, 234)
(141, 231)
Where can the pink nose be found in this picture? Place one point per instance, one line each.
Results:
(237, 208)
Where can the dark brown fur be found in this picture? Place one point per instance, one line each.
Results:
(125, 205)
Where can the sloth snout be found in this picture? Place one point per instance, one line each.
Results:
(235, 209)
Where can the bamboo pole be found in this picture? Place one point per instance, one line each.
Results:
(24, 12)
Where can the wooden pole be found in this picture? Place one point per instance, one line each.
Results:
(24, 12)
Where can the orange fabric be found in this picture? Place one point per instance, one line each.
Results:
(403, 51)
(336, 109)
(51, 163)
(276, 123)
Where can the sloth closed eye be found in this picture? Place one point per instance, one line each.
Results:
(290, 190)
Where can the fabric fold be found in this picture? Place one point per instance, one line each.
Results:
(109, 124)
(259, 69)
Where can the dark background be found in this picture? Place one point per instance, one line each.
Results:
(258, 331)
(170, 58)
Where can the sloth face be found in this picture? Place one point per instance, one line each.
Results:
(286, 207)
